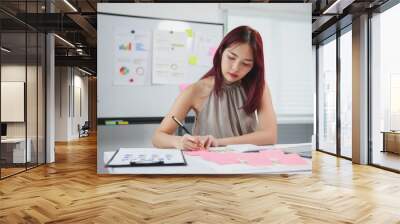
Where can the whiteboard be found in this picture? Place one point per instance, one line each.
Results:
(12, 101)
(147, 99)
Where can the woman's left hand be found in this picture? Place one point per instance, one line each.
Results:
(209, 141)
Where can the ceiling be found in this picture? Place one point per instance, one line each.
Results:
(77, 23)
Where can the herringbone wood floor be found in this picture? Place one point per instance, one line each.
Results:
(70, 191)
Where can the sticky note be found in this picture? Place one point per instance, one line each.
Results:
(212, 51)
(123, 122)
(189, 32)
(110, 123)
(183, 86)
(193, 60)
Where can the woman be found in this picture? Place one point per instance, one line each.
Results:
(232, 101)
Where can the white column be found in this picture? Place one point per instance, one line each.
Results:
(50, 100)
(360, 90)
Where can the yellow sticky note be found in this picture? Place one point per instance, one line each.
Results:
(123, 122)
(189, 32)
(193, 60)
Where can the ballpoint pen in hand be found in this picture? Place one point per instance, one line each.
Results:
(199, 144)
(181, 125)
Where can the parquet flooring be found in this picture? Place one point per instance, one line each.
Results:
(70, 191)
(9, 171)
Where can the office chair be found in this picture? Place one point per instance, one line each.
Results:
(84, 130)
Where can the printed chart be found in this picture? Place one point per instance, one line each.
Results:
(132, 50)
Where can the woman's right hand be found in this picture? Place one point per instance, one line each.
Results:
(189, 142)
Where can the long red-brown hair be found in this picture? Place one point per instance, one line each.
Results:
(254, 82)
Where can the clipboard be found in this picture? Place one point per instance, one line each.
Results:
(144, 157)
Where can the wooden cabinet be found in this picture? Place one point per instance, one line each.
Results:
(391, 141)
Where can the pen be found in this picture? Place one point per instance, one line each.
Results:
(180, 124)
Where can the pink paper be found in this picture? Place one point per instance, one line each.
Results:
(216, 157)
(183, 86)
(259, 161)
(248, 155)
(274, 155)
(196, 152)
(254, 159)
(263, 158)
(293, 159)
(225, 158)
(221, 158)
(273, 152)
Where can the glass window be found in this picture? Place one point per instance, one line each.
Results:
(346, 94)
(13, 87)
(31, 99)
(32, 87)
(22, 91)
(327, 96)
(385, 87)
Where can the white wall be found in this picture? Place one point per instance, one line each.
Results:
(79, 117)
(67, 80)
(286, 33)
(62, 81)
(33, 127)
(15, 72)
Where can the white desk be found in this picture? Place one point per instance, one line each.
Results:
(18, 150)
(196, 165)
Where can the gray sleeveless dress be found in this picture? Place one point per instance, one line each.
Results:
(222, 116)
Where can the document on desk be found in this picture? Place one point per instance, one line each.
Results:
(302, 149)
(146, 157)
(243, 148)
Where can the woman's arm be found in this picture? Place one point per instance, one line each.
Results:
(164, 136)
(266, 133)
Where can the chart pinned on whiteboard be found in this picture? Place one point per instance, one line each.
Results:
(169, 57)
(205, 46)
(131, 49)
(202, 55)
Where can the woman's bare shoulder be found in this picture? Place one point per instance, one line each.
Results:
(203, 86)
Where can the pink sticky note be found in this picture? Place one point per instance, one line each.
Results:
(293, 159)
(183, 86)
(212, 51)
